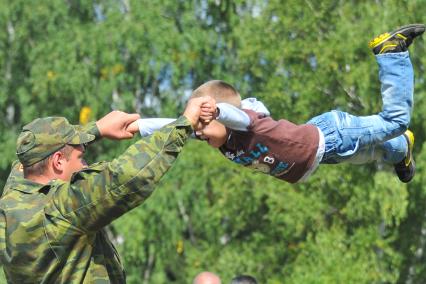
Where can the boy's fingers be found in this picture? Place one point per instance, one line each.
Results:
(207, 109)
(127, 135)
(207, 115)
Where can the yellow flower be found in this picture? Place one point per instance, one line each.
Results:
(117, 69)
(104, 73)
(179, 247)
(111, 71)
(85, 115)
(51, 75)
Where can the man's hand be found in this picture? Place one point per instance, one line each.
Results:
(114, 125)
(202, 108)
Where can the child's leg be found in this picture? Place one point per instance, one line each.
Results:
(345, 134)
(390, 152)
(348, 137)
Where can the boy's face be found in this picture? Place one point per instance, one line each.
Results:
(213, 133)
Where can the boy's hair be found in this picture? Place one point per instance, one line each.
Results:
(221, 91)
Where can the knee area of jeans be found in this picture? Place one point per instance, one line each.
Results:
(403, 125)
(400, 130)
(405, 119)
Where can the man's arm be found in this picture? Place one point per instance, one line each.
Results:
(90, 128)
(103, 192)
(147, 126)
(229, 115)
(114, 125)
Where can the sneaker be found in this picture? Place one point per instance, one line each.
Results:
(396, 41)
(406, 169)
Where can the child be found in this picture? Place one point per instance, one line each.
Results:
(292, 152)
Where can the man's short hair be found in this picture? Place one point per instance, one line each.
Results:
(244, 279)
(40, 167)
(221, 91)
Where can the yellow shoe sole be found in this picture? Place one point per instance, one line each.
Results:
(410, 139)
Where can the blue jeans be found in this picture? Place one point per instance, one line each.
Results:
(361, 139)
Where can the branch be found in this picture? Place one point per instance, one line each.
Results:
(186, 219)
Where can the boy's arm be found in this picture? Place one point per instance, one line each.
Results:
(255, 105)
(232, 117)
(147, 126)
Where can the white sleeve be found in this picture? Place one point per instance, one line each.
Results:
(148, 125)
(233, 117)
(255, 105)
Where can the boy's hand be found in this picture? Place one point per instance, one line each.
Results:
(133, 127)
(208, 111)
(114, 124)
(202, 107)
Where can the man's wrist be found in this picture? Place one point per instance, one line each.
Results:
(185, 121)
(92, 128)
(97, 130)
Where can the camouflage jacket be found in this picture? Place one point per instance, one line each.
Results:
(54, 233)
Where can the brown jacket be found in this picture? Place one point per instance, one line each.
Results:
(279, 148)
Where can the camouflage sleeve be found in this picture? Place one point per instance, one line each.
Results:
(103, 192)
(90, 128)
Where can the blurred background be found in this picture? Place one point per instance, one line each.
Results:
(347, 224)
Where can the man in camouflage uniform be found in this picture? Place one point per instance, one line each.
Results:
(52, 217)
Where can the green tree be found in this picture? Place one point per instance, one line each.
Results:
(347, 224)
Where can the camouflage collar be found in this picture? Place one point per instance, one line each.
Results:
(27, 186)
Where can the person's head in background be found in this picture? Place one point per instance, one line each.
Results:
(206, 278)
(215, 133)
(244, 279)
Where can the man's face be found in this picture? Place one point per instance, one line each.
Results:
(74, 163)
(213, 133)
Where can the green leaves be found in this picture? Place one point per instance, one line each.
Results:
(347, 224)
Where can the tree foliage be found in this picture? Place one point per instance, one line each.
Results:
(347, 224)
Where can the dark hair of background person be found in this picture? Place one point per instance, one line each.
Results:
(244, 279)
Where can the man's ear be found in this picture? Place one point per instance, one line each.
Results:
(57, 161)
